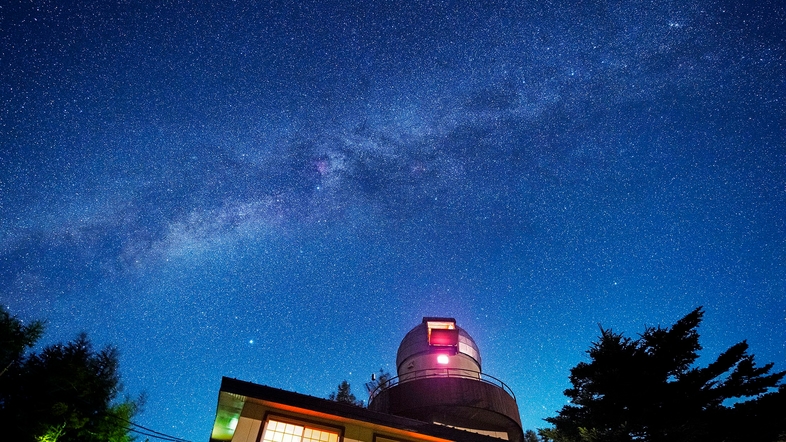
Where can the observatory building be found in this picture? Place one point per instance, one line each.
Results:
(440, 394)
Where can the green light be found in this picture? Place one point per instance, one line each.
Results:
(52, 434)
(224, 427)
(227, 416)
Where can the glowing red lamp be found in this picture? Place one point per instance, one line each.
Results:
(443, 337)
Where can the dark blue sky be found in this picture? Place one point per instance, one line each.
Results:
(279, 191)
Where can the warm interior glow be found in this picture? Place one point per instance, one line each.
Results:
(407, 435)
(276, 431)
(441, 324)
(443, 359)
(442, 334)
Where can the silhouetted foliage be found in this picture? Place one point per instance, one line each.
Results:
(530, 436)
(16, 338)
(379, 380)
(648, 390)
(550, 435)
(344, 395)
(64, 393)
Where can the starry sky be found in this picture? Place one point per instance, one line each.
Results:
(278, 191)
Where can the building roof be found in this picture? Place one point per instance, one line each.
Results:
(251, 391)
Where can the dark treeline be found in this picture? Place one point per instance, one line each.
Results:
(66, 392)
(649, 389)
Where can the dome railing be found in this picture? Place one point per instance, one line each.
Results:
(441, 373)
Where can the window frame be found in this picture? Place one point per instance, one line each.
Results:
(305, 423)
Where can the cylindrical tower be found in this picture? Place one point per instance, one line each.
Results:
(440, 380)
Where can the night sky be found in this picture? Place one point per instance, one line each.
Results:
(279, 191)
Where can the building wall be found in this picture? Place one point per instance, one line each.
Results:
(252, 419)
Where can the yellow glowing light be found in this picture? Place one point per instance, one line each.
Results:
(277, 431)
(448, 325)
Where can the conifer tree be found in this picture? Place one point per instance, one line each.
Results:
(65, 392)
(16, 338)
(344, 395)
(648, 389)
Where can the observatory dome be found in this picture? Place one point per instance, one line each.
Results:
(417, 343)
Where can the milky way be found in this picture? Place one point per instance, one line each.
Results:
(279, 192)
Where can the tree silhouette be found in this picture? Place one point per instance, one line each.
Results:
(344, 395)
(64, 393)
(378, 381)
(16, 338)
(648, 390)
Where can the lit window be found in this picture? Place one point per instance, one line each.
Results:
(443, 334)
(449, 324)
(277, 431)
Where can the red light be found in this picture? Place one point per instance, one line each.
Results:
(443, 337)
(443, 359)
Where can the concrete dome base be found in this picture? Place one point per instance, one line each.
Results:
(454, 401)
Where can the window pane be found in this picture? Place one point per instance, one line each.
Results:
(276, 431)
(282, 432)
